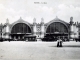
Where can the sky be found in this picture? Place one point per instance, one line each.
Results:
(46, 9)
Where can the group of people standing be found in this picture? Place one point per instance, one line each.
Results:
(59, 43)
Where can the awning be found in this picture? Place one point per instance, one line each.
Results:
(20, 33)
(27, 36)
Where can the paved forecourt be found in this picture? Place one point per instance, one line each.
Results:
(21, 50)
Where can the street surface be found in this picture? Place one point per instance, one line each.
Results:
(21, 50)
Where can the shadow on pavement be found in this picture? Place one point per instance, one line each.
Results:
(71, 46)
(75, 46)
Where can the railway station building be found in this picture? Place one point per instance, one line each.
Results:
(22, 29)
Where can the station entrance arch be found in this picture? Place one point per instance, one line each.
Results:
(19, 30)
(56, 30)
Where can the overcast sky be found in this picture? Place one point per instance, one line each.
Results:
(47, 9)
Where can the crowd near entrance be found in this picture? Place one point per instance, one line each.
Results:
(54, 37)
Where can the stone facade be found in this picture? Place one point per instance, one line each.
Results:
(40, 29)
(74, 29)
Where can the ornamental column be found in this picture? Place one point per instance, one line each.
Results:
(34, 27)
(42, 28)
(7, 29)
(71, 28)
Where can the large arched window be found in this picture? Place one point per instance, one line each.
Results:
(21, 28)
(57, 27)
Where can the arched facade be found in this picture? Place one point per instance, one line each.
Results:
(20, 28)
(21, 22)
(54, 28)
(57, 23)
(57, 29)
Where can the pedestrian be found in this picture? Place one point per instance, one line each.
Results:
(59, 42)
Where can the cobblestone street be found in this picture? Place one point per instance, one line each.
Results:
(21, 50)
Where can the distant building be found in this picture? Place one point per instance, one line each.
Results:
(55, 28)
(1, 26)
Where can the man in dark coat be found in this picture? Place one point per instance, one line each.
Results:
(59, 43)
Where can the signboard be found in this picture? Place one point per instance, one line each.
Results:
(56, 32)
